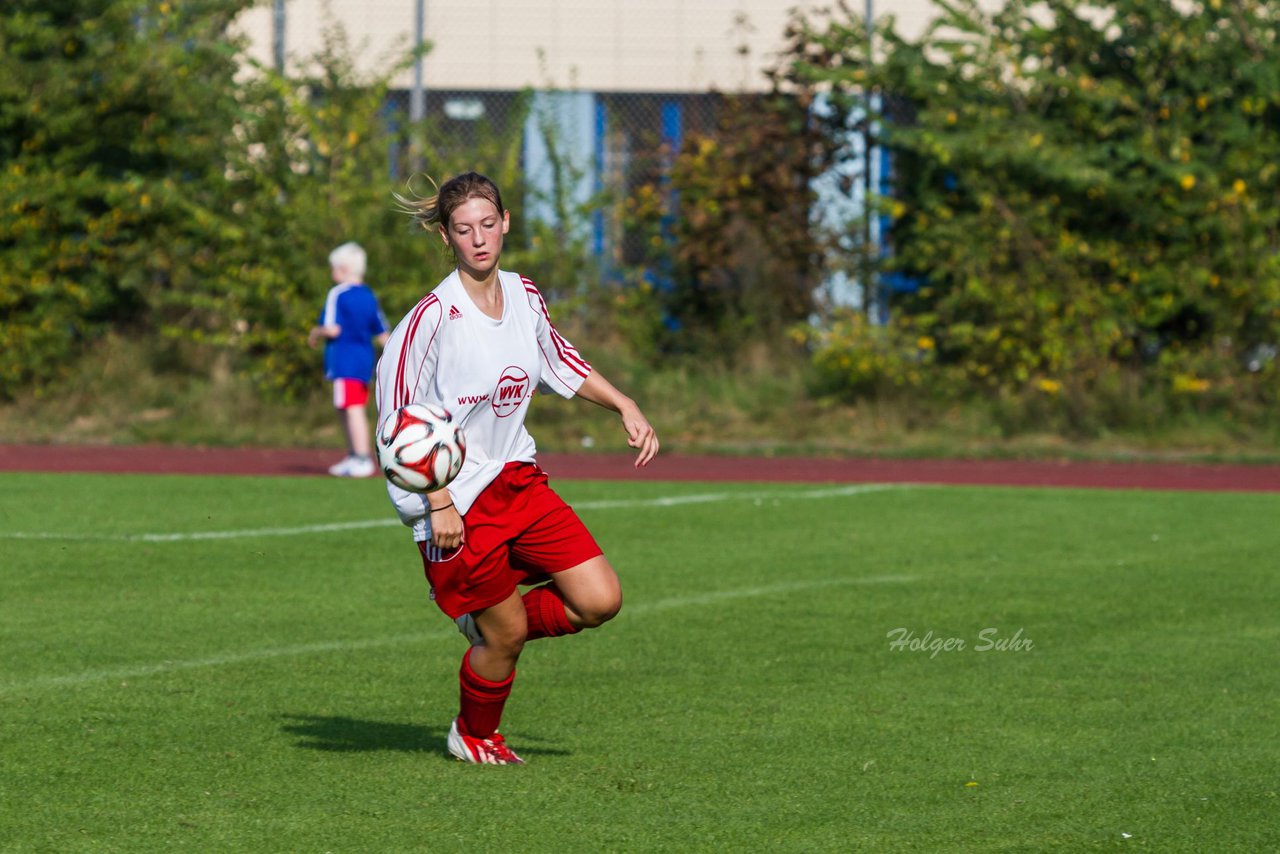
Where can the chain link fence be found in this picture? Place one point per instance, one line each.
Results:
(578, 151)
(581, 148)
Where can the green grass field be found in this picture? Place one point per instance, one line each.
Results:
(252, 664)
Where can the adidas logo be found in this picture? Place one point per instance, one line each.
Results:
(454, 314)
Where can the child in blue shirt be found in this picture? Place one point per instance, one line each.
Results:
(350, 324)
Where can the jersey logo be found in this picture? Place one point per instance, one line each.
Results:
(454, 314)
(513, 388)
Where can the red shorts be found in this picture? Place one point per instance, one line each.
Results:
(349, 393)
(518, 531)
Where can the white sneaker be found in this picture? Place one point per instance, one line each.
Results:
(362, 467)
(353, 467)
(467, 625)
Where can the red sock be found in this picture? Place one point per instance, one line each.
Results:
(544, 607)
(481, 701)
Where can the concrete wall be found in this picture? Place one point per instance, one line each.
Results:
(597, 45)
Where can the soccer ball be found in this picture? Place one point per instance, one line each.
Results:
(420, 449)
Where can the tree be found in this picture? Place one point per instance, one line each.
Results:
(1079, 189)
(114, 117)
(312, 166)
(727, 225)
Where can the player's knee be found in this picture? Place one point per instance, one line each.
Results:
(509, 642)
(506, 638)
(600, 611)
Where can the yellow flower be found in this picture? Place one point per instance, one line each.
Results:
(1188, 182)
(1049, 386)
(1189, 384)
(924, 342)
(1239, 186)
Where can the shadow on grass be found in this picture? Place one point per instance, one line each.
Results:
(338, 734)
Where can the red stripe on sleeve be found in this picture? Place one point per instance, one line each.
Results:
(567, 352)
(402, 388)
(551, 369)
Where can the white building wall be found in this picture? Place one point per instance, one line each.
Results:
(596, 45)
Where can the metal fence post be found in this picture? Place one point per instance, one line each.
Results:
(278, 35)
(417, 92)
(870, 286)
(417, 96)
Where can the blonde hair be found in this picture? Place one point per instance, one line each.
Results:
(434, 211)
(351, 258)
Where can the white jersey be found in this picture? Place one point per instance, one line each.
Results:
(447, 352)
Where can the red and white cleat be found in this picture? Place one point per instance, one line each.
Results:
(481, 751)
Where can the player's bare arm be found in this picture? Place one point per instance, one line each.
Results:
(640, 434)
(319, 333)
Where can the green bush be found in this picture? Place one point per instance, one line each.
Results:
(1082, 191)
(112, 134)
(726, 228)
(855, 359)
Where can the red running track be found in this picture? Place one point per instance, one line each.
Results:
(311, 461)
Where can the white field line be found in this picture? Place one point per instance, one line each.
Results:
(123, 674)
(390, 521)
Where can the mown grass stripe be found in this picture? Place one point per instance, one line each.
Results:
(389, 521)
(324, 647)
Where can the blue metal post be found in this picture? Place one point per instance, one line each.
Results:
(597, 218)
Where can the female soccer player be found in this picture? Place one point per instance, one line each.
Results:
(479, 345)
